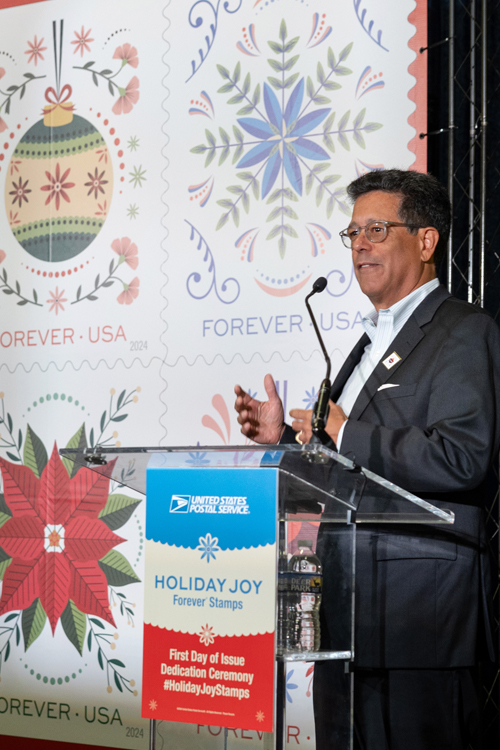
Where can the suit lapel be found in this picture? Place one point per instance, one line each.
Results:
(348, 366)
(404, 343)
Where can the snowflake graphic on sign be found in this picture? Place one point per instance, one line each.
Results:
(208, 546)
(206, 635)
(279, 162)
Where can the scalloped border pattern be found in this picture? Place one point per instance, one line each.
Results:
(418, 94)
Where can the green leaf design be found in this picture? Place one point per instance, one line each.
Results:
(371, 126)
(321, 99)
(74, 624)
(329, 207)
(309, 87)
(224, 72)
(332, 85)
(291, 44)
(210, 157)
(290, 231)
(5, 561)
(237, 72)
(246, 84)
(345, 52)
(275, 83)
(77, 442)
(224, 155)
(118, 683)
(32, 622)
(320, 73)
(343, 122)
(226, 88)
(276, 48)
(274, 232)
(282, 246)
(283, 31)
(344, 142)
(5, 512)
(223, 220)
(331, 58)
(359, 139)
(327, 140)
(237, 153)
(118, 510)
(359, 119)
(117, 569)
(245, 110)
(275, 65)
(290, 81)
(35, 456)
(236, 99)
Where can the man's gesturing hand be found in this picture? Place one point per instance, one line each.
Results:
(262, 421)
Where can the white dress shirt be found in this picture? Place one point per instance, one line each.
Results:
(382, 327)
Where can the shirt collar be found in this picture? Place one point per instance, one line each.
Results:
(401, 310)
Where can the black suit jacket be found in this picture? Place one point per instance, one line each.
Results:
(423, 594)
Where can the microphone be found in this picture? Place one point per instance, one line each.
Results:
(320, 411)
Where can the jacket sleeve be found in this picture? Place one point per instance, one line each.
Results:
(449, 433)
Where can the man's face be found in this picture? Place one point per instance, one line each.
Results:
(386, 271)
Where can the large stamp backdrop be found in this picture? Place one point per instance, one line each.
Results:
(172, 180)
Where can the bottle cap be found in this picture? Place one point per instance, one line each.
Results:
(305, 543)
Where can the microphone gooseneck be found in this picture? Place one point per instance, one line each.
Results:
(320, 412)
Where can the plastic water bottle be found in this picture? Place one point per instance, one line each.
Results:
(304, 581)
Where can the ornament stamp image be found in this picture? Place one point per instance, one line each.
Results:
(80, 174)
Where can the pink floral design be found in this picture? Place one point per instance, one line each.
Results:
(82, 41)
(2, 72)
(127, 54)
(35, 50)
(56, 303)
(20, 192)
(130, 292)
(127, 251)
(103, 210)
(2, 256)
(13, 166)
(128, 97)
(96, 183)
(3, 125)
(104, 155)
(57, 187)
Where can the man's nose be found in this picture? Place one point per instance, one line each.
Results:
(361, 241)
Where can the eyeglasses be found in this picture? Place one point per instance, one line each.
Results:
(375, 231)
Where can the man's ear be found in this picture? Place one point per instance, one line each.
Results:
(430, 239)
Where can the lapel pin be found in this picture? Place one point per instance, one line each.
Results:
(391, 360)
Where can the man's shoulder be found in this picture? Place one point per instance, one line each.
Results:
(443, 309)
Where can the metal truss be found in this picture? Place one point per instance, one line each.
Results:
(464, 153)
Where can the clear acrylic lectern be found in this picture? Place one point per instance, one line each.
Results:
(315, 486)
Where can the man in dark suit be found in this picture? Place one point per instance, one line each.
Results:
(418, 402)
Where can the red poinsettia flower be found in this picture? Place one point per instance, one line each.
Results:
(55, 539)
(57, 187)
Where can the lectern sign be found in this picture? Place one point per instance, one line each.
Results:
(210, 596)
